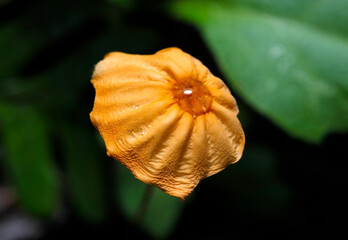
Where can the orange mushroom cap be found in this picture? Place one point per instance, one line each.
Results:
(166, 118)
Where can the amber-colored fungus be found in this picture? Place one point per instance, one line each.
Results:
(166, 118)
(192, 96)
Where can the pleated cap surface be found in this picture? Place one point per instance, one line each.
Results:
(166, 118)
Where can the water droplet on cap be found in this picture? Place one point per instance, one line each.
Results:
(188, 91)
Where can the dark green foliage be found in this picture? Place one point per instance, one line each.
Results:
(162, 212)
(84, 173)
(285, 60)
(29, 158)
(254, 184)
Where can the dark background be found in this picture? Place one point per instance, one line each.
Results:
(281, 188)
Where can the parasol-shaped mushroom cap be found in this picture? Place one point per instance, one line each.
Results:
(166, 118)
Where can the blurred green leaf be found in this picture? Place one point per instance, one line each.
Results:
(163, 211)
(288, 59)
(163, 214)
(85, 178)
(328, 15)
(28, 158)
